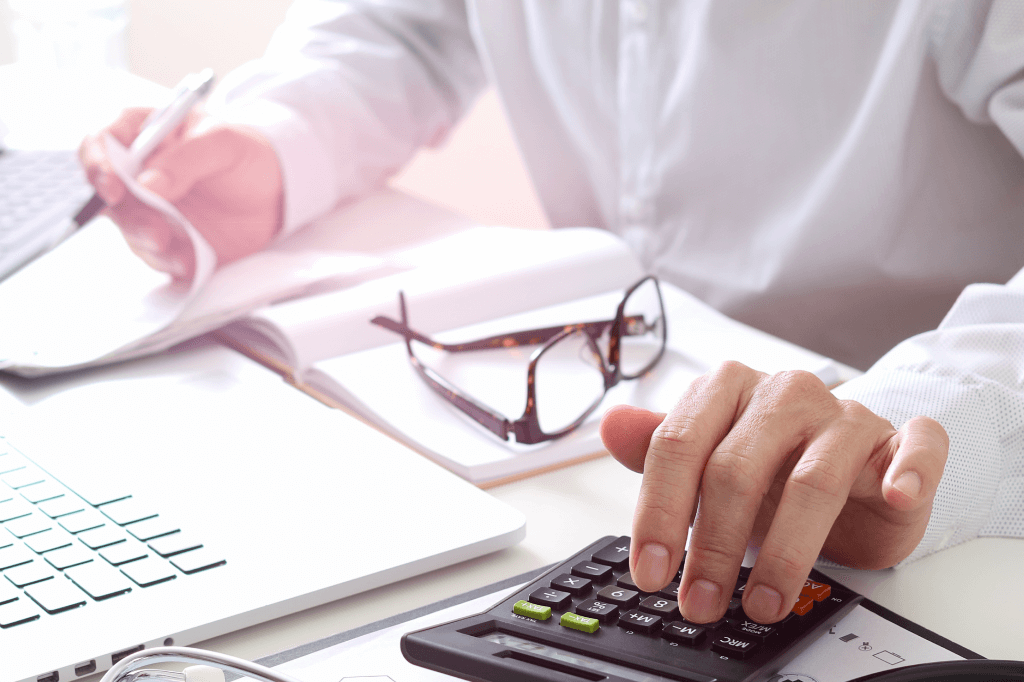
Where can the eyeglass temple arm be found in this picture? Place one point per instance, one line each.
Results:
(634, 326)
(486, 417)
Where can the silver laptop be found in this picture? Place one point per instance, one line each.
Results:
(40, 191)
(176, 498)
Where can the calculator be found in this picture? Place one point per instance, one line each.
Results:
(586, 620)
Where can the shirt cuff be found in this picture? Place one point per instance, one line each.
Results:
(309, 183)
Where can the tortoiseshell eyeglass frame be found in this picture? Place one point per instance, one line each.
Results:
(527, 429)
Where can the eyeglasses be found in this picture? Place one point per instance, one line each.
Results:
(568, 375)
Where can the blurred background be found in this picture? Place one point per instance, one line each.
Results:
(478, 170)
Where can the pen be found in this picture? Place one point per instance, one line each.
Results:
(155, 130)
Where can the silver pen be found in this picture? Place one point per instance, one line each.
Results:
(155, 130)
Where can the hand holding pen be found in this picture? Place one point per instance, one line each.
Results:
(224, 178)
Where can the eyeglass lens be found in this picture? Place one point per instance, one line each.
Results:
(643, 330)
(568, 381)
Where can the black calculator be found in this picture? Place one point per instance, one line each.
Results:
(585, 620)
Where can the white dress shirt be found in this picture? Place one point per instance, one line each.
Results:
(832, 173)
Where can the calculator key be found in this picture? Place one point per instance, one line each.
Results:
(598, 573)
(741, 587)
(26, 574)
(744, 573)
(81, 521)
(99, 580)
(176, 543)
(67, 557)
(660, 606)
(123, 553)
(57, 595)
(670, 591)
(578, 622)
(816, 591)
(644, 623)
(148, 572)
(714, 625)
(573, 584)
(556, 599)
(732, 645)
(750, 629)
(684, 633)
(620, 596)
(17, 612)
(626, 580)
(803, 605)
(528, 610)
(735, 609)
(594, 608)
(196, 560)
(614, 554)
(101, 537)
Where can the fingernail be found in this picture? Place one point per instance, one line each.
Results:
(701, 601)
(763, 604)
(909, 483)
(105, 187)
(652, 566)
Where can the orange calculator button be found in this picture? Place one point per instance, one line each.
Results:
(803, 605)
(816, 591)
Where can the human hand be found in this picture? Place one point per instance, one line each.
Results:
(777, 461)
(224, 178)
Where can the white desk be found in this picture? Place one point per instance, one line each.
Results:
(968, 593)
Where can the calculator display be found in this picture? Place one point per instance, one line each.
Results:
(513, 642)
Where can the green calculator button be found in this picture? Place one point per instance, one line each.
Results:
(525, 608)
(581, 623)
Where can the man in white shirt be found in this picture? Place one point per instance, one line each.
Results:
(835, 174)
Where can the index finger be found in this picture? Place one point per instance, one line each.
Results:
(92, 153)
(673, 466)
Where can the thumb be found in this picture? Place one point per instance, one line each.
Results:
(917, 465)
(175, 169)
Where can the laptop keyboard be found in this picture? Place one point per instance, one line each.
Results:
(39, 191)
(62, 549)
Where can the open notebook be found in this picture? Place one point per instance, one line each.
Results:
(477, 283)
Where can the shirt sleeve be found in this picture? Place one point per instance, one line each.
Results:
(969, 376)
(348, 91)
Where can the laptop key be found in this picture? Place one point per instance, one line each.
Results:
(67, 557)
(82, 521)
(127, 511)
(47, 490)
(123, 552)
(197, 560)
(99, 580)
(101, 537)
(47, 541)
(13, 509)
(14, 555)
(152, 528)
(23, 477)
(17, 612)
(28, 525)
(26, 574)
(148, 572)
(55, 596)
(175, 543)
(61, 506)
(8, 592)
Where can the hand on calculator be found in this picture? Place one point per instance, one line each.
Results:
(777, 461)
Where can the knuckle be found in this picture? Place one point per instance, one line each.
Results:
(816, 479)
(662, 503)
(798, 384)
(730, 372)
(675, 438)
(732, 471)
(784, 559)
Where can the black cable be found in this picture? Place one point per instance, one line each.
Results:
(952, 671)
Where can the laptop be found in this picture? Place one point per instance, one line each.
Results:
(40, 191)
(217, 496)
